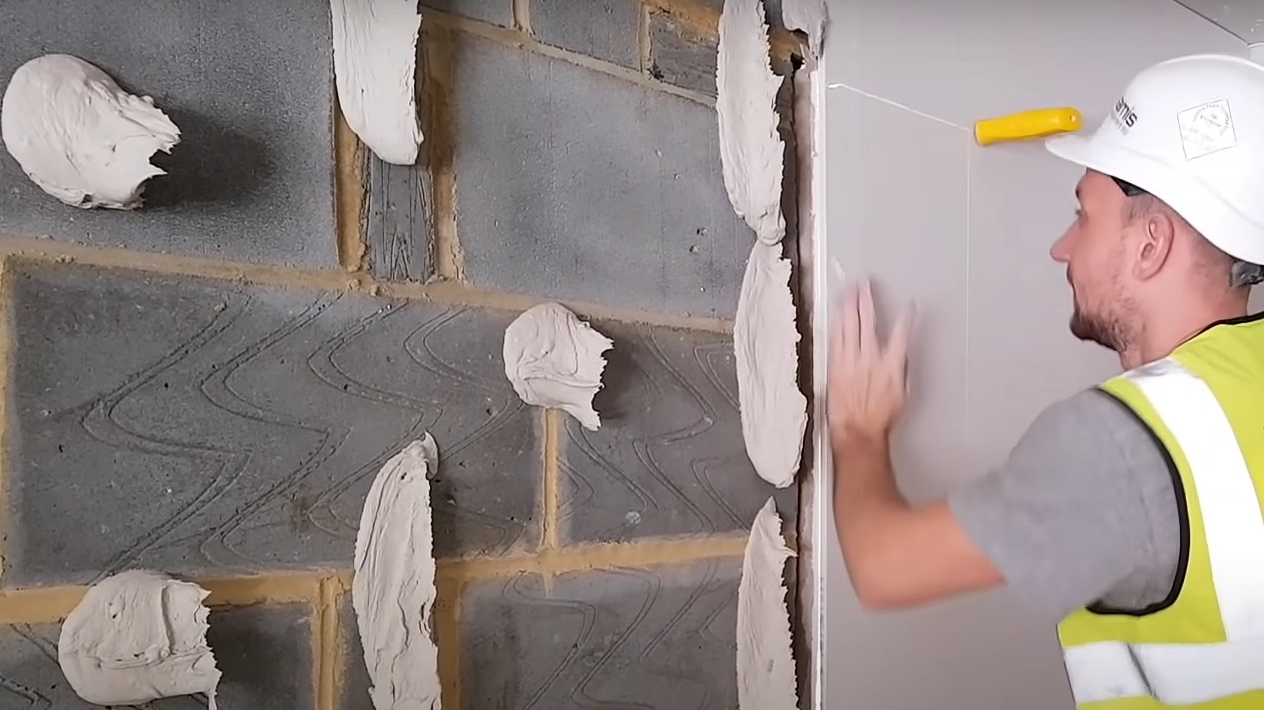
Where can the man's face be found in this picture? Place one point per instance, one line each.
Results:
(1093, 250)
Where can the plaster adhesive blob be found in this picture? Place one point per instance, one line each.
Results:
(765, 342)
(375, 65)
(750, 147)
(136, 637)
(80, 137)
(393, 592)
(765, 661)
(556, 360)
(807, 16)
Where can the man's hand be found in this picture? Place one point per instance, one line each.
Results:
(897, 555)
(868, 382)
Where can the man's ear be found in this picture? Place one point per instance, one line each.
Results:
(1154, 244)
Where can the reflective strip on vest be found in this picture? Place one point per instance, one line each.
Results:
(1173, 673)
(1233, 525)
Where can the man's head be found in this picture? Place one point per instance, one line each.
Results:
(1130, 258)
(1171, 213)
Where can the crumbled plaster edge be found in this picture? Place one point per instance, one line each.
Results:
(809, 102)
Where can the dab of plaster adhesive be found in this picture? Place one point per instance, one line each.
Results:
(765, 343)
(393, 592)
(750, 147)
(765, 661)
(136, 637)
(375, 64)
(554, 359)
(80, 137)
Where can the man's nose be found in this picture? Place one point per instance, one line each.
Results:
(1058, 251)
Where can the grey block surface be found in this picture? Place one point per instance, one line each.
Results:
(356, 684)
(598, 189)
(200, 426)
(681, 57)
(250, 90)
(499, 12)
(661, 638)
(264, 653)
(605, 29)
(399, 221)
(668, 458)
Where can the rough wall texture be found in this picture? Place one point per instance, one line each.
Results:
(251, 179)
(208, 386)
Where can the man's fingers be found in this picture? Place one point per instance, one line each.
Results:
(850, 330)
(837, 341)
(901, 336)
(839, 305)
(841, 343)
(902, 333)
(868, 335)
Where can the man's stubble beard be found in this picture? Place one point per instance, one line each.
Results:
(1102, 331)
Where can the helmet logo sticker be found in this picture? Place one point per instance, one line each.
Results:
(1206, 129)
(1124, 116)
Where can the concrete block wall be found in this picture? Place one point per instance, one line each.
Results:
(207, 386)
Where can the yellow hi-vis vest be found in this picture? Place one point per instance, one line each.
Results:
(1203, 647)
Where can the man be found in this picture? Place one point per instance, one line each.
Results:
(1131, 511)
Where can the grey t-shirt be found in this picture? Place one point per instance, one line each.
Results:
(1083, 511)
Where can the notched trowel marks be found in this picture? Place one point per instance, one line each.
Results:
(80, 137)
(553, 359)
(765, 664)
(774, 411)
(138, 636)
(393, 592)
(375, 65)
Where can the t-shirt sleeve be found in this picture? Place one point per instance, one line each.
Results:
(1068, 515)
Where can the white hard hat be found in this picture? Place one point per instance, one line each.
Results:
(1189, 131)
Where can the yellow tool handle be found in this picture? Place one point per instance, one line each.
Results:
(1037, 123)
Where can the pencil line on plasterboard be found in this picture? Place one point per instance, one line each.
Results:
(969, 282)
(896, 104)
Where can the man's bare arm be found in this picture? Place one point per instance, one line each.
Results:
(899, 555)
(1084, 500)
(1070, 515)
